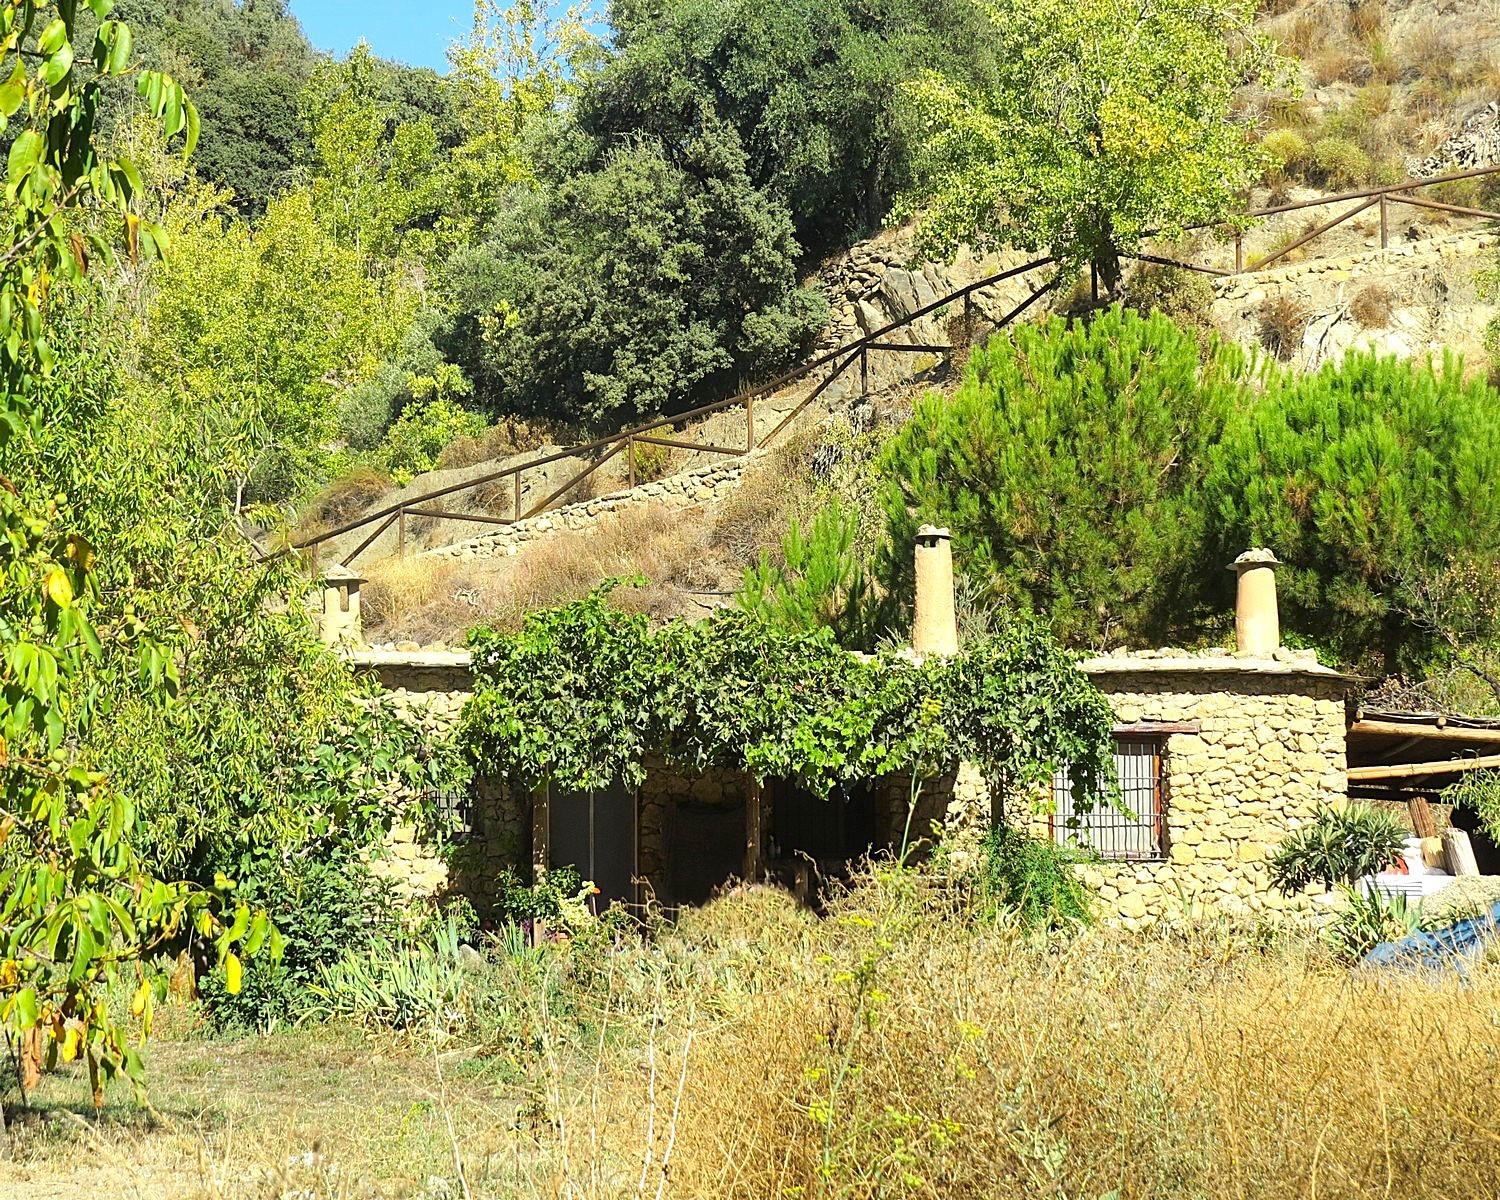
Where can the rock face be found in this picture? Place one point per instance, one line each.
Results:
(1476, 144)
(1413, 299)
(882, 280)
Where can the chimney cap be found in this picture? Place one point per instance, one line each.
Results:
(1257, 557)
(932, 534)
(335, 573)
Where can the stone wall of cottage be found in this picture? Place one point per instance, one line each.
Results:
(499, 833)
(1268, 753)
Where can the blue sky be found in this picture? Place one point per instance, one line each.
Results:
(410, 31)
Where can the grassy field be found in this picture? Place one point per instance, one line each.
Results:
(901, 1047)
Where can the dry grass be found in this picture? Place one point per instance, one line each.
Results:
(1283, 322)
(692, 559)
(343, 500)
(314, 1112)
(956, 1065)
(427, 599)
(509, 435)
(901, 1048)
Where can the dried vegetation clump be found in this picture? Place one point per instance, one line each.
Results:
(689, 560)
(1283, 323)
(896, 1051)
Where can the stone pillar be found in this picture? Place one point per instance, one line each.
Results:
(339, 620)
(1257, 623)
(934, 626)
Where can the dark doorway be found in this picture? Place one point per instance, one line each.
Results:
(814, 840)
(595, 832)
(705, 848)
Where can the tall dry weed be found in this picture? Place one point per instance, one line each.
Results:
(897, 1051)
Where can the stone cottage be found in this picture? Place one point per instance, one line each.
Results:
(1219, 755)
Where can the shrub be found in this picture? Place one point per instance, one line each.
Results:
(421, 433)
(409, 982)
(1069, 467)
(1371, 307)
(1340, 846)
(561, 895)
(1479, 792)
(345, 498)
(1283, 324)
(818, 581)
(1367, 919)
(322, 906)
(1288, 151)
(1373, 479)
(1185, 297)
(1339, 163)
(1034, 880)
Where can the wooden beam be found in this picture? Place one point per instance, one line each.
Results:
(754, 838)
(1422, 822)
(1417, 770)
(1146, 728)
(1433, 732)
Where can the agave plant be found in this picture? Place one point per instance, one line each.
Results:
(1340, 846)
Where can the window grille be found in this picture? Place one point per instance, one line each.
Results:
(1137, 833)
(453, 814)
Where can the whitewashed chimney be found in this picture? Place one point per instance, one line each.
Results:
(339, 621)
(1257, 621)
(935, 627)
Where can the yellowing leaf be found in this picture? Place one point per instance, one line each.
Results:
(138, 1001)
(59, 587)
(233, 974)
(69, 1048)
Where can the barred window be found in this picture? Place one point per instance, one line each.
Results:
(1139, 832)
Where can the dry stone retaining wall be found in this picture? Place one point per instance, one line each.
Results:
(1431, 286)
(687, 490)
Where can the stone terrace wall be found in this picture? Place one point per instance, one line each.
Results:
(1270, 750)
(686, 490)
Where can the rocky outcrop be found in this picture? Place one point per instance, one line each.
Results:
(1411, 300)
(1476, 144)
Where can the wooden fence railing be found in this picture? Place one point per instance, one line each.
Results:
(845, 358)
(605, 449)
(1384, 197)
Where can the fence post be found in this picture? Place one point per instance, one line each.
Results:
(630, 459)
(1384, 234)
(864, 372)
(1093, 282)
(1239, 251)
(515, 514)
(749, 424)
(401, 534)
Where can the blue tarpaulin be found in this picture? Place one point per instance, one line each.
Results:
(1439, 948)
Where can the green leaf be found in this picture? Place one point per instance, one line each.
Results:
(122, 45)
(58, 65)
(13, 91)
(53, 38)
(26, 1008)
(25, 153)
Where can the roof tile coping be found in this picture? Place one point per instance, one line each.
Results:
(1286, 662)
